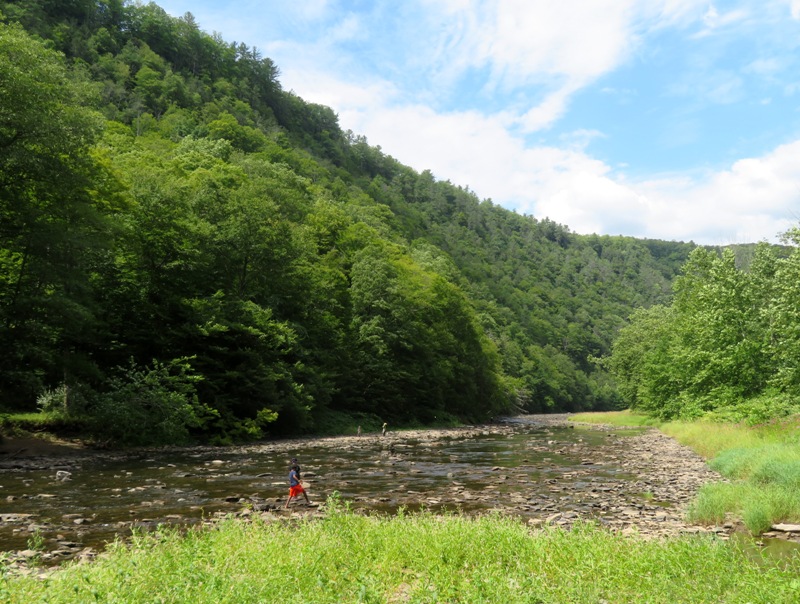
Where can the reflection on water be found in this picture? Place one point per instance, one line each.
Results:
(769, 551)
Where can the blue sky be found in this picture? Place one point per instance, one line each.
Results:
(670, 119)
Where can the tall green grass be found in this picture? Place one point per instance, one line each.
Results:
(615, 418)
(412, 558)
(762, 462)
(41, 423)
(709, 439)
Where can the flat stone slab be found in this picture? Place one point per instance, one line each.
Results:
(786, 528)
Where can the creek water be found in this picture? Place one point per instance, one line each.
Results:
(108, 495)
(522, 467)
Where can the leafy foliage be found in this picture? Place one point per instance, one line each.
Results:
(146, 405)
(726, 346)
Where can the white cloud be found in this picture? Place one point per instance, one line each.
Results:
(765, 67)
(754, 199)
(714, 20)
(580, 139)
(577, 39)
(348, 99)
(548, 111)
(711, 16)
(794, 7)
(523, 39)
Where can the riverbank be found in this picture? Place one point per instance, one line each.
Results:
(760, 464)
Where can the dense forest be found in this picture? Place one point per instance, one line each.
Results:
(728, 344)
(189, 251)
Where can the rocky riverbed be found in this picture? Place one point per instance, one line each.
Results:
(543, 469)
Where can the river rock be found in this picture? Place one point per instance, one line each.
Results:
(28, 553)
(786, 528)
(545, 490)
(15, 517)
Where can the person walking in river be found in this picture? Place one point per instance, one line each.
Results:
(295, 485)
(297, 465)
(383, 429)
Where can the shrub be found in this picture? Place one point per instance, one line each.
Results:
(64, 401)
(150, 405)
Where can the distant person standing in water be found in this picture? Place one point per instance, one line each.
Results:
(383, 429)
(295, 487)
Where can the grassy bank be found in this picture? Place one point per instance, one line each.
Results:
(38, 423)
(412, 558)
(615, 418)
(762, 463)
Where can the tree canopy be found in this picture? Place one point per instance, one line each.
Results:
(727, 345)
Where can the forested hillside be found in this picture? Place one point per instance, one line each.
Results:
(189, 251)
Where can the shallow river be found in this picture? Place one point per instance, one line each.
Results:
(523, 467)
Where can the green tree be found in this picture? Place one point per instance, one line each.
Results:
(784, 320)
(643, 361)
(52, 214)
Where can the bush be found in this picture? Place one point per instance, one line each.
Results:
(150, 405)
(229, 430)
(53, 401)
(63, 401)
(758, 410)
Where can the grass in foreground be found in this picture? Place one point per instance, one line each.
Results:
(412, 558)
(763, 463)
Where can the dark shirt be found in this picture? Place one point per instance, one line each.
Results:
(294, 478)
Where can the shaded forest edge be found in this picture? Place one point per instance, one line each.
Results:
(188, 252)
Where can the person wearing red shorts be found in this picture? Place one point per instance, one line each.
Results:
(295, 487)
